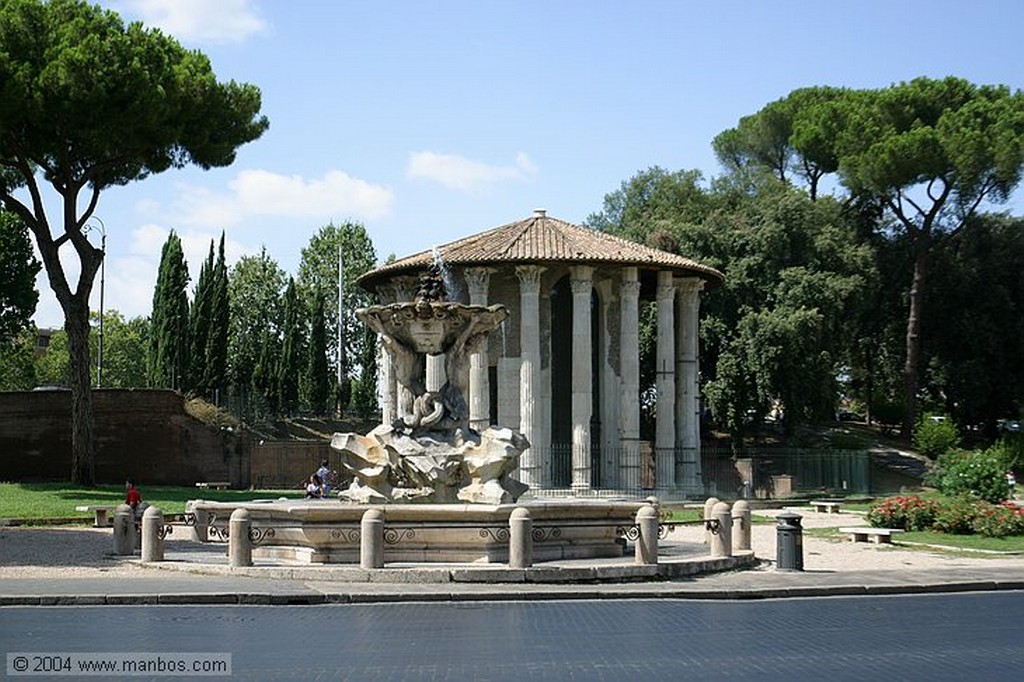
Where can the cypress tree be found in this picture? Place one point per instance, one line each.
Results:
(168, 358)
(215, 375)
(318, 372)
(199, 325)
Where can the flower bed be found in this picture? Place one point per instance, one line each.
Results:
(960, 515)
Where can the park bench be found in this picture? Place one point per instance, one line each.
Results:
(826, 507)
(215, 485)
(102, 512)
(877, 535)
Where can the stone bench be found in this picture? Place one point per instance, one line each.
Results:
(877, 535)
(215, 485)
(826, 507)
(103, 514)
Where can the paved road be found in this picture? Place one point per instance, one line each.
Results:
(934, 637)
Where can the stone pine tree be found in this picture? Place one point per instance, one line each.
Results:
(929, 153)
(169, 345)
(318, 372)
(289, 367)
(216, 351)
(87, 103)
(200, 321)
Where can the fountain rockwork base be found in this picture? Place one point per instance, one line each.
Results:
(391, 466)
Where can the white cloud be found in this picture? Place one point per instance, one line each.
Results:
(458, 172)
(217, 21)
(256, 193)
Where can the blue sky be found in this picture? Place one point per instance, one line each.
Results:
(429, 121)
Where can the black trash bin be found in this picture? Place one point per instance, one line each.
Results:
(790, 543)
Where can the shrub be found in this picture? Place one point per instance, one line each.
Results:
(1010, 451)
(977, 474)
(956, 515)
(908, 513)
(999, 520)
(935, 436)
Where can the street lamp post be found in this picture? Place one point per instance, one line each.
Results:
(103, 273)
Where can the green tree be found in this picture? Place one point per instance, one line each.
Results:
(318, 379)
(125, 349)
(169, 343)
(17, 362)
(18, 269)
(790, 137)
(215, 377)
(87, 103)
(318, 271)
(973, 348)
(931, 151)
(200, 329)
(289, 366)
(255, 285)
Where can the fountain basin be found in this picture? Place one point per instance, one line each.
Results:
(327, 531)
(431, 327)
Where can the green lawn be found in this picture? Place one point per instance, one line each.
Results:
(58, 500)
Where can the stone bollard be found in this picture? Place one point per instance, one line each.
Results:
(371, 539)
(124, 530)
(721, 541)
(520, 538)
(153, 535)
(709, 505)
(201, 528)
(647, 543)
(239, 543)
(741, 526)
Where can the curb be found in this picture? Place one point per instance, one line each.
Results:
(511, 593)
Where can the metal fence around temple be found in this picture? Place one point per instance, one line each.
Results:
(762, 473)
(756, 473)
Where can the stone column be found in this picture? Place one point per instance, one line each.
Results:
(403, 289)
(533, 461)
(387, 389)
(479, 398)
(582, 378)
(688, 477)
(435, 372)
(629, 363)
(665, 431)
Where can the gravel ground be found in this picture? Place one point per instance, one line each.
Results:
(75, 551)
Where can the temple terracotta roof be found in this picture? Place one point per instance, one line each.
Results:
(542, 239)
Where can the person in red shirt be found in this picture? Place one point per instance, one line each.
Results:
(132, 497)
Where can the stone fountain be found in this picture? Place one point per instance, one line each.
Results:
(447, 492)
(431, 455)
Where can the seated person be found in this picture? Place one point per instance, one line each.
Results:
(313, 487)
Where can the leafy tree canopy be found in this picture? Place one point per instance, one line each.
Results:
(18, 269)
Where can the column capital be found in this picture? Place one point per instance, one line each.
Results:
(666, 289)
(529, 278)
(630, 288)
(688, 285)
(477, 281)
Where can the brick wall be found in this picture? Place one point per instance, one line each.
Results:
(144, 434)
